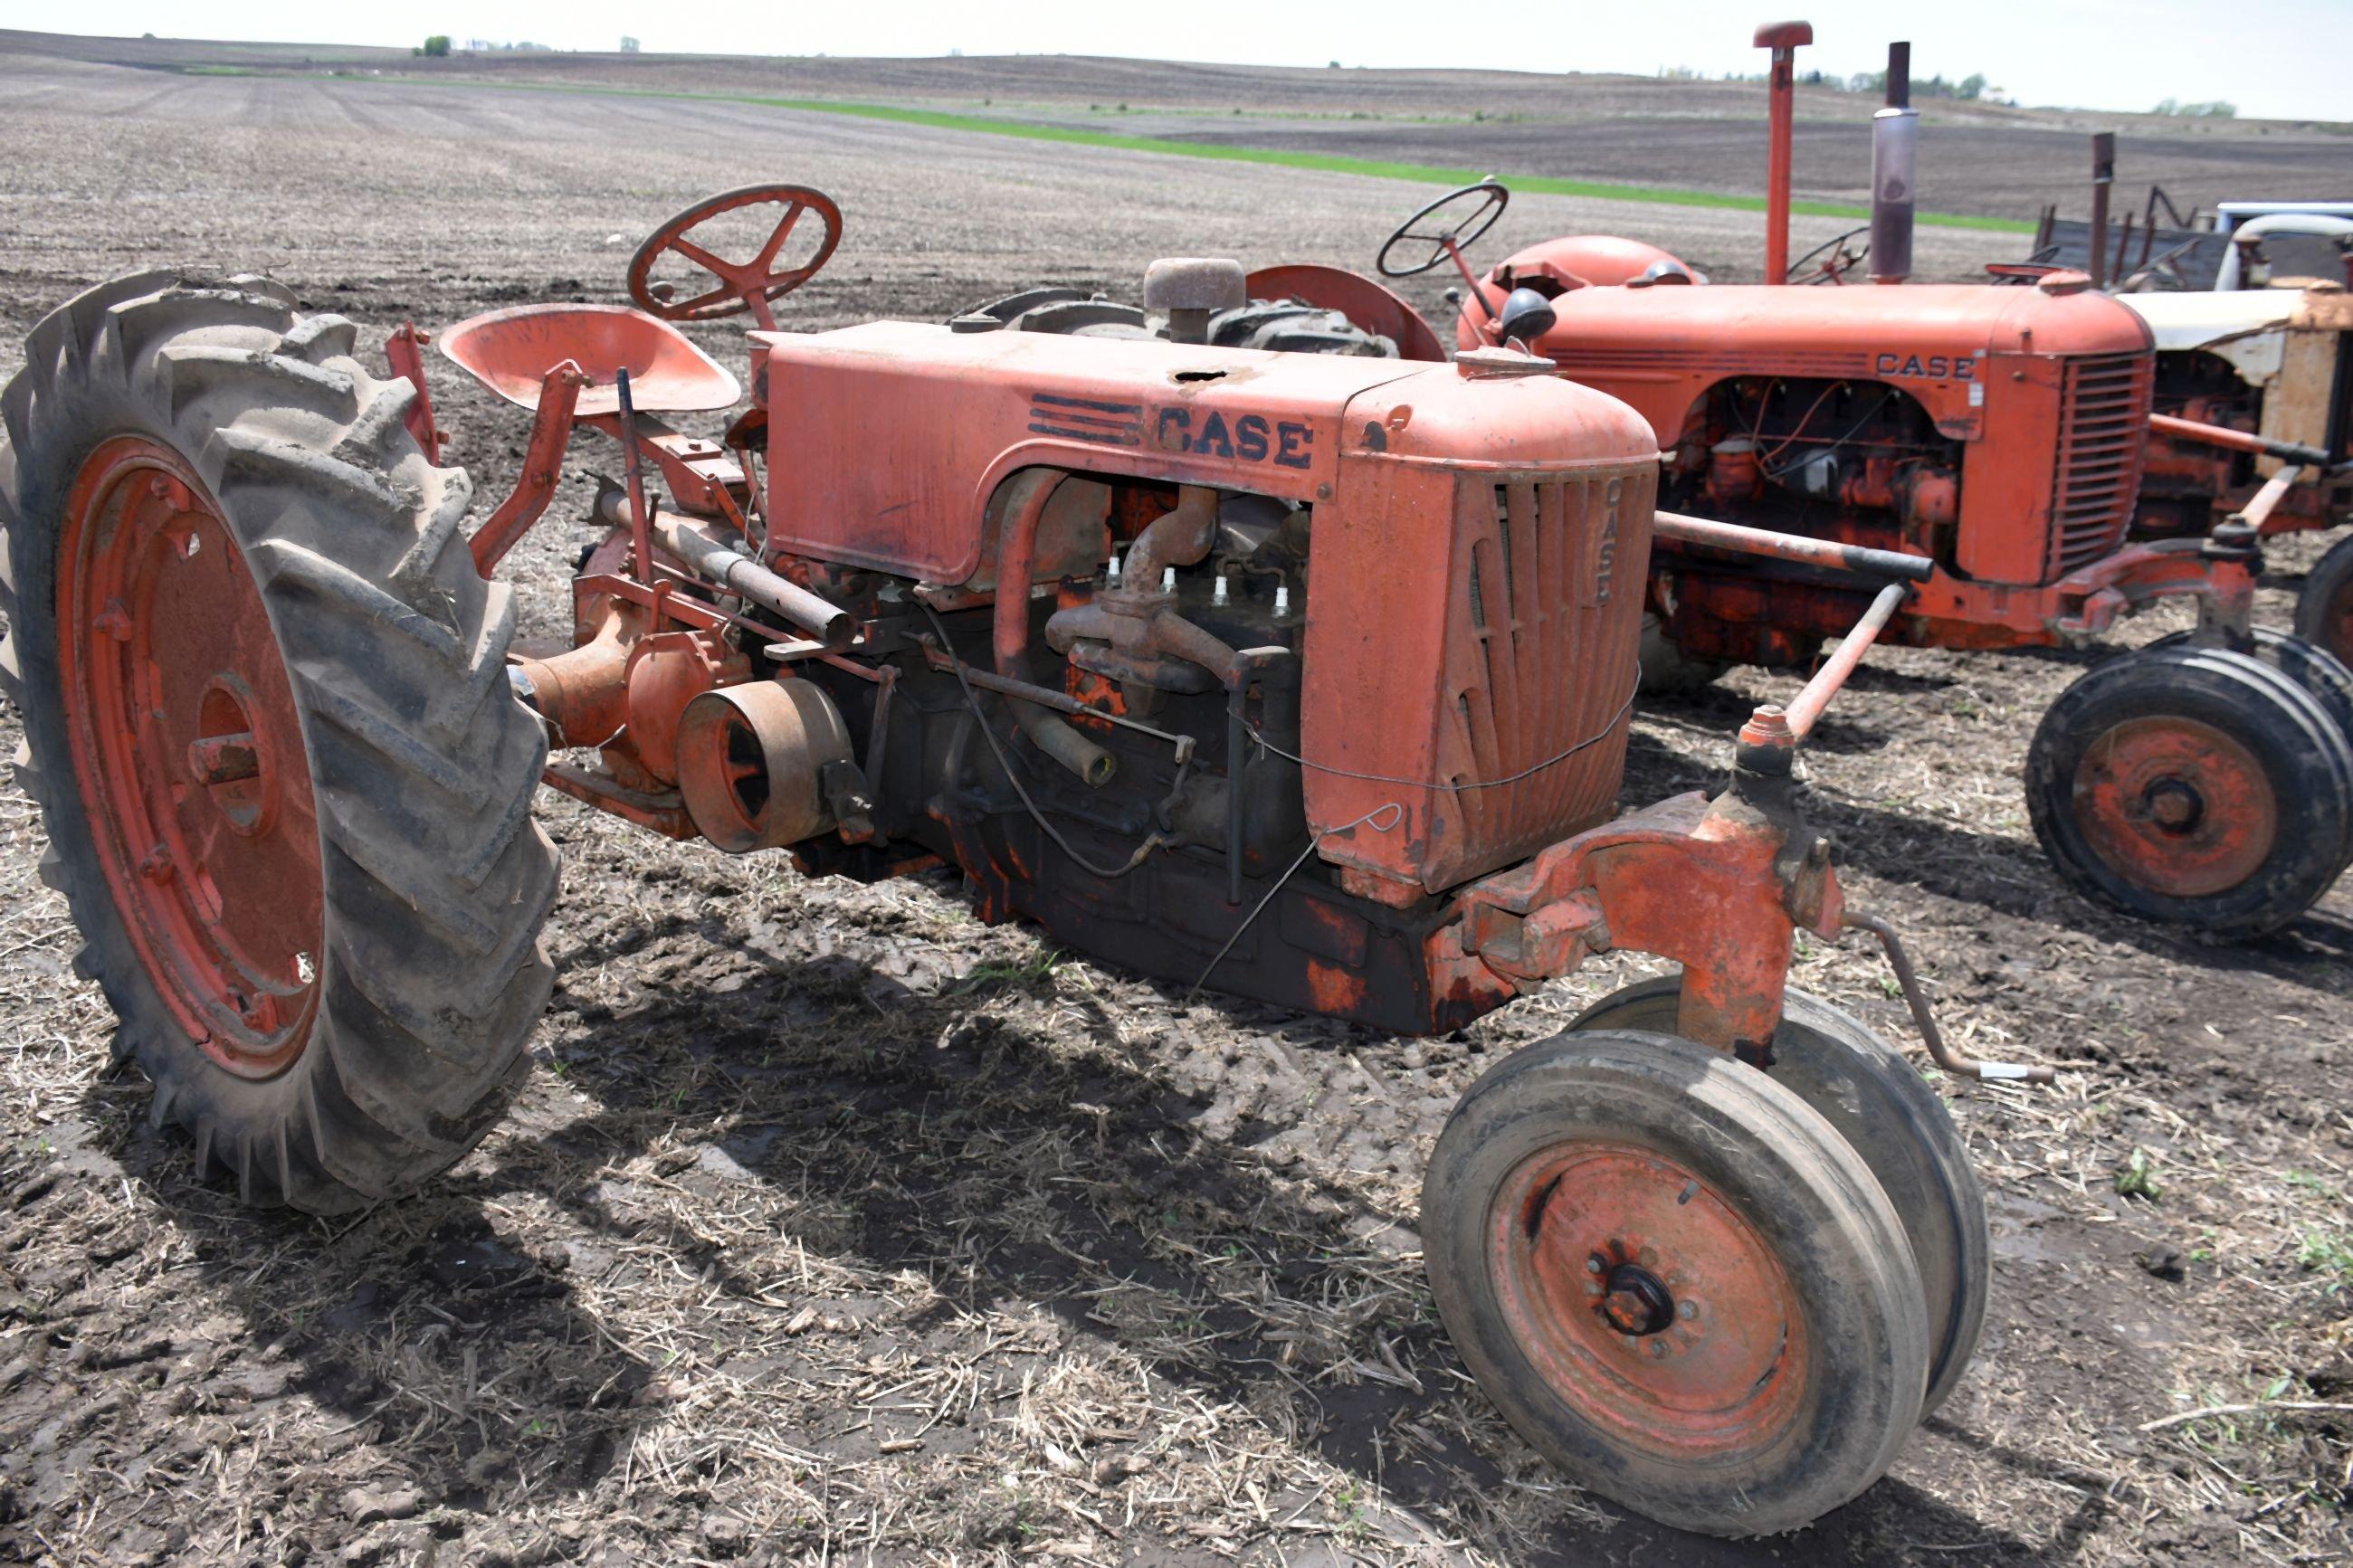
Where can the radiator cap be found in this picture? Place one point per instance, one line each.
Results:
(2063, 281)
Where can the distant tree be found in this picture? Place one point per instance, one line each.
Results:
(629, 45)
(436, 47)
(2213, 110)
(1972, 87)
(1335, 65)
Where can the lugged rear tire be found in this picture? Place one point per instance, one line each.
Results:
(164, 411)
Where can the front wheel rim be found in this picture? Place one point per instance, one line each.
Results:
(188, 753)
(2176, 806)
(1648, 1303)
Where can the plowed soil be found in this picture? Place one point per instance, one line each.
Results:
(834, 1225)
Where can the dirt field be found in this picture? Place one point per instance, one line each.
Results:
(834, 1226)
(1980, 159)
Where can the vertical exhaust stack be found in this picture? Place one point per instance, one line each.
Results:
(2104, 175)
(1783, 39)
(1894, 171)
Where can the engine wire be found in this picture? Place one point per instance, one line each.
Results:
(1152, 841)
(1608, 729)
(1393, 810)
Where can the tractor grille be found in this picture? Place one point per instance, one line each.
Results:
(1540, 654)
(2103, 430)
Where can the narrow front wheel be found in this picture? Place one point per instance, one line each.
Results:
(2197, 787)
(1676, 1280)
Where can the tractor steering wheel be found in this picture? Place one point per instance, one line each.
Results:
(1840, 262)
(742, 285)
(1475, 221)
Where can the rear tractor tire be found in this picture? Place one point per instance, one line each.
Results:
(1676, 1280)
(2197, 787)
(268, 725)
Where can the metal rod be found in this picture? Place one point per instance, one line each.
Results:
(642, 543)
(1234, 698)
(716, 562)
(1843, 660)
(1782, 39)
(1951, 1060)
(2237, 441)
(2104, 175)
(1454, 254)
(2258, 512)
(1044, 696)
(1684, 529)
(719, 563)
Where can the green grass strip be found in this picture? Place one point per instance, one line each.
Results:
(1421, 173)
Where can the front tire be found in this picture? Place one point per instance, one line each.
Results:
(2323, 606)
(2197, 787)
(1864, 1088)
(1676, 1280)
(267, 724)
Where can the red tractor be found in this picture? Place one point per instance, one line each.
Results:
(1289, 674)
(1985, 444)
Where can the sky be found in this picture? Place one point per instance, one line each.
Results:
(2279, 59)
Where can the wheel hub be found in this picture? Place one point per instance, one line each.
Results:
(1633, 1300)
(2177, 805)
(187, 750)
(1648, 1302)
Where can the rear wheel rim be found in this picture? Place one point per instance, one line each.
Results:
(189, 755)
(2176, 806)
(1648, 1303)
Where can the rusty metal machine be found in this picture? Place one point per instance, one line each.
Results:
(2253, 334)
(1295, 675)
(1986, 445)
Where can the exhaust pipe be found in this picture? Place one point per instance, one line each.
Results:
(1783, 39)
(1894, 171)
(2104, 175)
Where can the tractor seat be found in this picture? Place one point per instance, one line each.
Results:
(511, 351)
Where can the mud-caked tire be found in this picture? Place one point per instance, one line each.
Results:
(286, 783)
(1882, 1106)
(2323, 605)
(2302, 662)
(2196, 786)
(1676, 1280)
